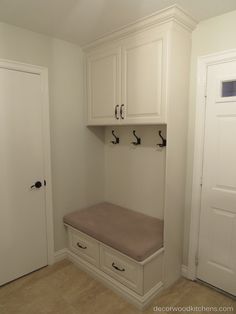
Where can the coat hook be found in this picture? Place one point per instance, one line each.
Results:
(117, 139)
(163, 144)
(138, 139)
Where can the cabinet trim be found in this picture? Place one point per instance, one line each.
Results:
(172, 13)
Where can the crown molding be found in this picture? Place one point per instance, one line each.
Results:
(172, 13)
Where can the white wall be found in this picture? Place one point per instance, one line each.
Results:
(77, 176)
(135, 175)
(210, 36)
(77, 152)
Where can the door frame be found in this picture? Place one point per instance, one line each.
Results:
(202, 66)
(43, 72)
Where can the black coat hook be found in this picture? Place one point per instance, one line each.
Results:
(163, 144)
(138, 139)
(117, 139)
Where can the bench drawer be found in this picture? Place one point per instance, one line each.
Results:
(84, 246)
(121, 268)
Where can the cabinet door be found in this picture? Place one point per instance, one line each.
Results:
(103, 87)
(143, 79)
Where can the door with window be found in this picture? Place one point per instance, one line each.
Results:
(23, 232)
(217, 238)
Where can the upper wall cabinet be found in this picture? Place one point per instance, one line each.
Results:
(143, 79)
(128, 75)
(103, 86)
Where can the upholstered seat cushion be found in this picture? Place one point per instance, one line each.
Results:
(125, 230)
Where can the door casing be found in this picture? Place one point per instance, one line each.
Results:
(43, 72)
(202, 66)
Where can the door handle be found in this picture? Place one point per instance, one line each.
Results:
(121, 111)
(116, 112)
(37, 185)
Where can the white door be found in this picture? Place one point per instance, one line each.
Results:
(217, 241)
(103, 87)
(23, 238)
(142, 78)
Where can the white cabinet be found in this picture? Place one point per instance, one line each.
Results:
(144, 70)
(84, 246)
(103, 86)
(139, 282)
(122, 268)
(125, 84)
(143, 60)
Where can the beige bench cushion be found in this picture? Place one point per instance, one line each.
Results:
(125, 230)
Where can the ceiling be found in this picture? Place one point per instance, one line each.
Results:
(82, 21)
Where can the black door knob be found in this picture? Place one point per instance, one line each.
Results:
(37, 185)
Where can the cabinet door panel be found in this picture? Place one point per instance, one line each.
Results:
(103, 86)
(142, 80)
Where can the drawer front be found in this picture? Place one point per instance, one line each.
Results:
(121, 268)
(84, 246)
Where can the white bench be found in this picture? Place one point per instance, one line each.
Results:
(119, 246)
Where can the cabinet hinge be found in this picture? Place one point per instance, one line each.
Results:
(205, 91)
(201, 180)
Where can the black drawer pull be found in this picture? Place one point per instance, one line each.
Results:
(81, 246)
(121, 111)
(117, 268)
(116, 112)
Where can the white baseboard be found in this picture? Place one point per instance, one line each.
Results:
(60, 255)
(184, 271)
(187, 273)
